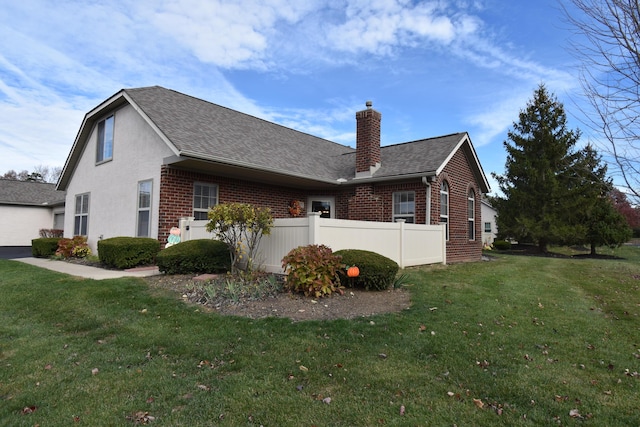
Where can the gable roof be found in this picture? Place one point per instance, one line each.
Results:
(30, 193)
(204, 136)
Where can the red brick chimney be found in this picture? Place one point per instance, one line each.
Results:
(367, 140)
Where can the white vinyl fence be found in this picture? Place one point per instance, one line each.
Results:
(406, 244)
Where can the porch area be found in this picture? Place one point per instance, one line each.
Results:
(407, 244)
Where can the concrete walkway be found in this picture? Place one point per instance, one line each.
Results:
(87, 271)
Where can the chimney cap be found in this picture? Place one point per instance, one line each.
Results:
(369, 104)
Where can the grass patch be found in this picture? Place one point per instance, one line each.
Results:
(515, 341)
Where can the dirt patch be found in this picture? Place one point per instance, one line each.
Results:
(353, 303)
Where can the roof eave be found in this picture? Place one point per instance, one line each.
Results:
(186, 154)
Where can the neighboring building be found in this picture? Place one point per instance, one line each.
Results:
(146, 157)
(26, 207)
(489, 227)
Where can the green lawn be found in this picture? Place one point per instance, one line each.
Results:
(515, 341)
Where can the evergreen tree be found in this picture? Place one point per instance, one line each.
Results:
(538, 205)
(597, 219)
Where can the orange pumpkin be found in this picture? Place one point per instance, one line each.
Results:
(353, 271)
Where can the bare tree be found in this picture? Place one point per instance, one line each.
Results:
(40, 174)
(609, 50)
(48, 174)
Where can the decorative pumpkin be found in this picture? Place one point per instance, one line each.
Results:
(353, 271)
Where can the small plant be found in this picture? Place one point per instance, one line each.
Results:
(313, 270)
(76, 247)
(239, 287)
(400, 281)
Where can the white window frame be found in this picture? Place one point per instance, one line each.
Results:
(404, 206)
(444, 202)
(200, 212)
(81, 215)
(427, 219)
(144, 203)
(471, 213)
(105, 136)
(487, 227)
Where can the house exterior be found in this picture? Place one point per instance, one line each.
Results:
(26, 207)
(489, 227)
(146, 157)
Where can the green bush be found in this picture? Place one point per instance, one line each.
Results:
(195, 256)
(313, 270)
(44, 247)
(377, 272)
(128, 252)
(501, 245)
(75, 247)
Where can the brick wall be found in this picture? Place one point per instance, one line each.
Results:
(457, 173)
(176, 196)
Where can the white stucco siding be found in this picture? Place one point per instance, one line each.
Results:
(23, 223)
(113, 185)
(488, 214)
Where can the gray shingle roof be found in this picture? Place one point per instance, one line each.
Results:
(203, 131)
(29, 193)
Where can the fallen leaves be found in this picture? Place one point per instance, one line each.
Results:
(140, 417)
(29, 410)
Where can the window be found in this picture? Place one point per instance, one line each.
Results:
(204, 197)
(444, 207)
(404, 206)
(471, 210)
(105, 140)
(81, 217)
(321, 204)
(323, 207)
(487, 227)
(144, 209)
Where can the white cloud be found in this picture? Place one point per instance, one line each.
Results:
(56, 63)
(228, 34)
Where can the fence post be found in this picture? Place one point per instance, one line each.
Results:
(402, 239)
(185, 229)
(314, 227)
(443, 239)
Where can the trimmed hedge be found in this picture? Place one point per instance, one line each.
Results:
(377, 272)
(501, 245)
(195, 256)
(128, 252)
(44, 247)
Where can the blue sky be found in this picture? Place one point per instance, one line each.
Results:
(430, 67)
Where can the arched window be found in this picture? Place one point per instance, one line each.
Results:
(444, 206)
(471, 211)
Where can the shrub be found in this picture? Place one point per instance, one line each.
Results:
(240, 226)
(313, 270)
(75, 247)
(51, 232)
(195, 256)
(377, 272)
(501, 245)
(128, 252)
(44, 247)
